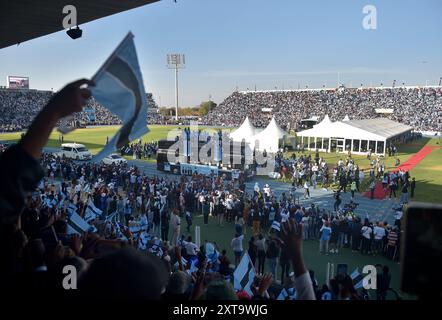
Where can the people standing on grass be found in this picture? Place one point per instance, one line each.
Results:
(176, 227)
(338, 201)
(252, 250)
(261, 247)
(412, 187)
(366, 232)
(333, 241)
(165, 222)
(272, 255)
(306, 190)
(404, 194)
(372, 189)
(393, 186)
(188, 220)
(237, 247)
(356, 234)
(256, 218)
(325, 232)
(205, 208)
(378, 237)
(353, 188)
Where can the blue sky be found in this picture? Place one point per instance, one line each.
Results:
(247, 43)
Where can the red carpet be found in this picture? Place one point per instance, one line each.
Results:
(379, 192)
(414, 160)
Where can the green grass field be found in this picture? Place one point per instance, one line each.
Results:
(94, 138)
(428, 172)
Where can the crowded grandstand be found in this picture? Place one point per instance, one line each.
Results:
(289, 107)
(19, 107)
(419, 107)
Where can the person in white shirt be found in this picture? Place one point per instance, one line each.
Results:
(190, 247)
(175, 222)
(237, 247)
(379, 234)
(256, 187)
(266, 190)
(144, 224)
(306, 190)
(366, 232)
(78, 191)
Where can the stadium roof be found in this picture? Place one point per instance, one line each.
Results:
(23, 20)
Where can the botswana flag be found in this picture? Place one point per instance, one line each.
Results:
(92, 212)
(244, 275)
(75, 223)
(357, 278)
(119, 88)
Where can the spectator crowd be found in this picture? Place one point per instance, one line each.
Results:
(19, 107)
(420, 108)
(123, 233)
(145, 216)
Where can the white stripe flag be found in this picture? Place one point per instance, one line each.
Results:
(244, 275)
(354, 274)
(92, 212)
(119, 88)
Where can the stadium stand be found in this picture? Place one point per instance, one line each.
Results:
(19, 107)
(419, 107)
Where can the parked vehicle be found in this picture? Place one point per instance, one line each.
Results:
(74, 151)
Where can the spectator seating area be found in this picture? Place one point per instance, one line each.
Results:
(19, 107)
(419, 107)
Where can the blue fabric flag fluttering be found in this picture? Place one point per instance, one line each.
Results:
(119, 88)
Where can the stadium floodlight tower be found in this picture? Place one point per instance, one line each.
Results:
(176, 61)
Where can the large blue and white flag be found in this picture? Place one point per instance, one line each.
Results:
(119, 88)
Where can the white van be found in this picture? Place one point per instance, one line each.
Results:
(75, 151)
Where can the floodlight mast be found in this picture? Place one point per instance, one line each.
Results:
(176, 61)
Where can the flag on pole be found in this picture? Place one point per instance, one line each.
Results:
(119, 88)
(244, 275)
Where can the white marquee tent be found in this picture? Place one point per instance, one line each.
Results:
(246, 131)
(357, 136)
(269, 138)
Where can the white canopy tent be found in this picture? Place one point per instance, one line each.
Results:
(357, 136)
(245, 132)
(268, 139)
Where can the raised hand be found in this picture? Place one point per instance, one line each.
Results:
(291, 236)
(72, 98)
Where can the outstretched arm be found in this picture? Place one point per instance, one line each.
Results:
(19, 165)
(291, 235)
(68, 100)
